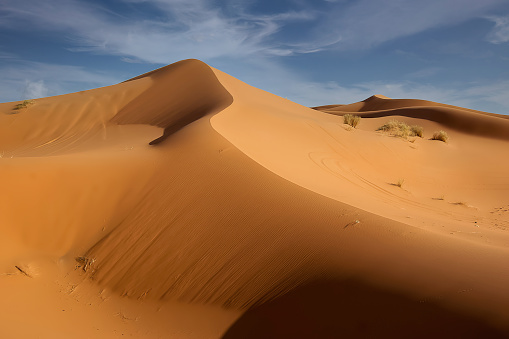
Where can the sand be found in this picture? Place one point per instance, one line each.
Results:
(185, 203)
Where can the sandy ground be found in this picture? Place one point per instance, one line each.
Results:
(185, 203)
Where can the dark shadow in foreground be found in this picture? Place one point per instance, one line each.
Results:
(350, 309)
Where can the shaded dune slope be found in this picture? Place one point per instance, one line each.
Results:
(348, 308)
(456, 118)
(238, 202)
(189, 91)
(169, 98)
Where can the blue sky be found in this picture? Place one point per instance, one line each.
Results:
(314, 52)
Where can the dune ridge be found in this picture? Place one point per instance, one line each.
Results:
(186, 184)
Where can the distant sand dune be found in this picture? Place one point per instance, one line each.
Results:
(460, 119)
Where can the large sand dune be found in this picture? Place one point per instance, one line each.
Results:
(186, 203)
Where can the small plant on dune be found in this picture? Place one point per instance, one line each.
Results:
(352, 120)
(416, 131)
(23, 105)
(461, 203)
(400, 129)
(400, 182)
(396, 128)
(440, 135)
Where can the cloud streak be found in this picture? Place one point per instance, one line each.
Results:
(184, 29)
(29, 80)
(500, 32)
(369, 23)
(196, 29)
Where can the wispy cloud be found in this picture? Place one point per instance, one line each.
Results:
(198, 29)
(368, 23)
(35, 89)
(182, 29)
(500, 32)
(24, 80)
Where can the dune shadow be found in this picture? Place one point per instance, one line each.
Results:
(179, 124)
(180, 94)
(350, 309)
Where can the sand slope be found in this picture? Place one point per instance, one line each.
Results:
(187, 191)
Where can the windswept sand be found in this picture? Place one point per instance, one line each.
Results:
(201, 207)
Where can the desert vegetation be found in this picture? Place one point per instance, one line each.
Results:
(400, 182)
(352, 120)
(23, 105)
(440, 135)
(400, 129)
(416, 131)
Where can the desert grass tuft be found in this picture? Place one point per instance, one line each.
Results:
(352, 120)
(399, 183)
(24, 104)
(400, 129)
(440, 135)
(396, 128)
(416, 131)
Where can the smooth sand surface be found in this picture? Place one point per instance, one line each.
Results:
(185, 203)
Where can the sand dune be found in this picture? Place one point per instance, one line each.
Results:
(461, 119)
(189, 197)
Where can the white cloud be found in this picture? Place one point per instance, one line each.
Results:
(196, 29)
(183, 29)
(500, 32)
(368, 23)
(24, 80)
(35, 89)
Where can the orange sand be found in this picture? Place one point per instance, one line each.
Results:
(201, 207)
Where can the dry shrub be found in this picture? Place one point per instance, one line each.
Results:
(400, 129)
(352, 120)
(440, 135)
(400, 182)
(23, 105)
(416, 131)
(396, 128)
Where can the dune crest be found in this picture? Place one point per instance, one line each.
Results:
(180, 94)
